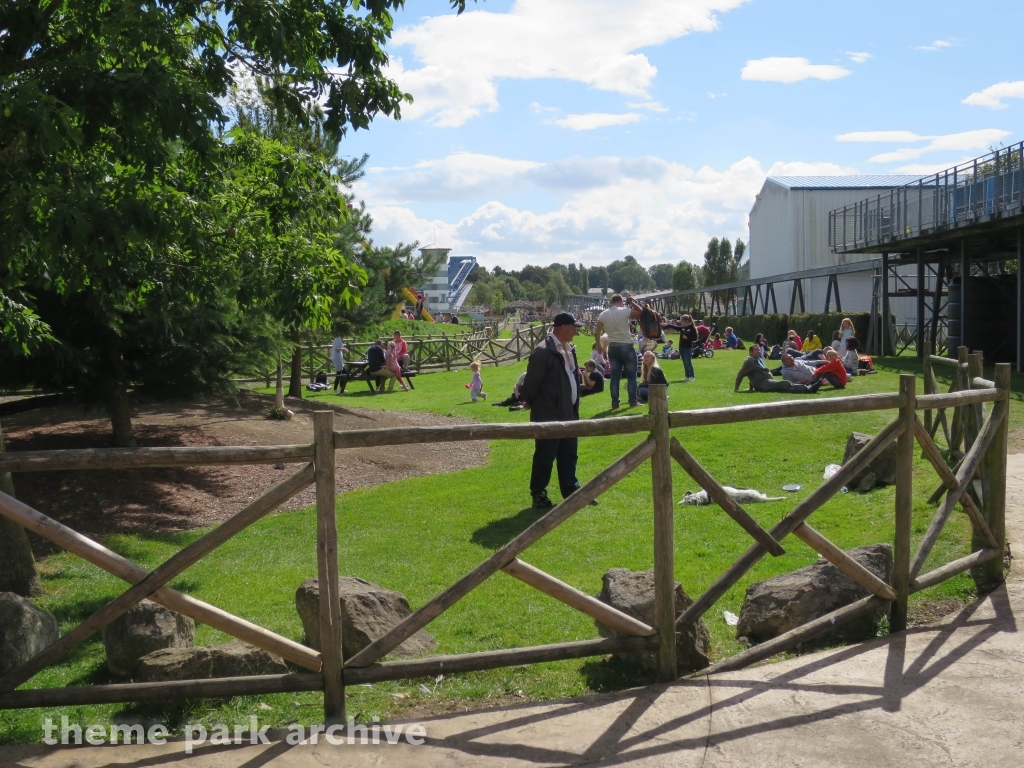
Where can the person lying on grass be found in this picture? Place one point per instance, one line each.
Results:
(761, 379)
(802, 372)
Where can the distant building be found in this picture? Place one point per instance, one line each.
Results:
(448, 289)
(789, 233)
(437, 287)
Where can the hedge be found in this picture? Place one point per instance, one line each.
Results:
(776, 327)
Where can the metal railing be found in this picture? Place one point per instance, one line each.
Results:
(988, 186)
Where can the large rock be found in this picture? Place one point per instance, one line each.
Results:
(632, 592)
(24, 631)
(367, 612)
(144, 628)
(790, 600)
(234, 659)
(883, 467)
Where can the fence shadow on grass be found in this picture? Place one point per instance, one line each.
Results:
(498, 533)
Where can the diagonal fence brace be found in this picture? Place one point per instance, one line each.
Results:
(413, 623)
(800, 513)
(124, 569)
(723, 499)
(931, 451)
(158, 577)
(964, 476)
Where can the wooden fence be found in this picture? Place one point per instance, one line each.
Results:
(985, 453)
(430, 353)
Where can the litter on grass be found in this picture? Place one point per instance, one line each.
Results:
(742, 495)
(731, 618)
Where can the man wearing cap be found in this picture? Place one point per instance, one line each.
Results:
(552, 393)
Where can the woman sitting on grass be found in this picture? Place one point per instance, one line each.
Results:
(851, 355)
(650, 373)
(811, 342)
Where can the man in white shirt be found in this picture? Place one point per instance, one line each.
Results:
(621, 352)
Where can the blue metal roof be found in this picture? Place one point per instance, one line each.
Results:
(875, 181)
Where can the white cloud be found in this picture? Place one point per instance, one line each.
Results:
(938, 45)
(790, 69)
(979, 139)
(592, 120)
(926, 169)
(460, 58)
(993, 95)
(653, 106)
(858, 57)
(881, 136)
(540, 108)
(607, 207)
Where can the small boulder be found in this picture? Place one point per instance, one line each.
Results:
(24, 631)
(368, 611)
(867, 483)
(883, 467)
(234, 659)
(632, 592)
(791, 600)
(144, 628)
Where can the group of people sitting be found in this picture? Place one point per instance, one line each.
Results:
(806, 365)
(385, 361)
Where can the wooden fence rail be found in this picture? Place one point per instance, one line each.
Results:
(429, 353)
(977, 483)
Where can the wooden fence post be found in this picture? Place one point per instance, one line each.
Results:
(976, 369)
(327, 567)
(904, 504)
(664, 543)
(279, 394)
(993, 468)
(928, 376)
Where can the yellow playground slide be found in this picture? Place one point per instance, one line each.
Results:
(419, 303)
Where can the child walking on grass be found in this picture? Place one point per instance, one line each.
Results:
(476, 386)
(392, 364)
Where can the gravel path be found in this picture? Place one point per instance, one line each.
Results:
(148, 500)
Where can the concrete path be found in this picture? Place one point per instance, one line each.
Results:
(947, 694)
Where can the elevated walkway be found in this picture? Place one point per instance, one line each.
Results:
(946, 694)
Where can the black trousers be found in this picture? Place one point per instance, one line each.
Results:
(545, 454)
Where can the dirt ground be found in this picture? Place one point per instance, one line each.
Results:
(173, 499)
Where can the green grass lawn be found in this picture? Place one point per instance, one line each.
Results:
(420, 535)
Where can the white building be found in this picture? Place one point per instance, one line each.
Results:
(437, 289)
(789, 233)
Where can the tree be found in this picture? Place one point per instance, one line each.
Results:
(725, 257)
(114, 200)
(556, 289)
(23, 333)
(498, 301)
(584, 279)
(684, 276)
(599, 278)
(631, 277)
(661, 274)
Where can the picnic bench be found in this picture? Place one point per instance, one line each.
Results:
(356, 370)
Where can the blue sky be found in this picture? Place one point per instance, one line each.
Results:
(583, 130)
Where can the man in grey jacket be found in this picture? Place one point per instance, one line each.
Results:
(761, 379)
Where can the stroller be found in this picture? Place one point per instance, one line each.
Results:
(702, 347)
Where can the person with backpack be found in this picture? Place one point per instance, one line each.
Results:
(376, 359)
(622, 353)
(688, 336)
